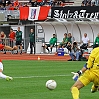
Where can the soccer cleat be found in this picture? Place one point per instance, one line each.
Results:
(92, 91)
(9, 78)
(94, 88)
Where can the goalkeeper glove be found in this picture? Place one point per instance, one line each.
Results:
(76, 75)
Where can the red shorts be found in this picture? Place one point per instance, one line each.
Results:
(1, 46)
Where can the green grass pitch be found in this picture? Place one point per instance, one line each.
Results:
(30, 78)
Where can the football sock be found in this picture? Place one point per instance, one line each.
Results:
(51, 49)
(47, 48)
(21, 52)
(17, 52)
(2, 75)
(75, 93)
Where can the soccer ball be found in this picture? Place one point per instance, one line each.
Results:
(51, 84)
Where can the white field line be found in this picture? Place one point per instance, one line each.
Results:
(42, 76)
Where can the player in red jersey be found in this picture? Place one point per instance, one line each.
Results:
(7, 47)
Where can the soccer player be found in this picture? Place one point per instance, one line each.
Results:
(19, 40)
(90, 74)
(7, 47)
(3, 75)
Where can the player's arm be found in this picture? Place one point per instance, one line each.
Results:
(78, 73)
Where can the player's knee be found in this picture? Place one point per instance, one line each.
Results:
(15, 48)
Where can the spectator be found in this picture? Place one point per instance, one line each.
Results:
(64, 42)
(12, 37)
(75, 54)
(85, 42)
(19, 40)
(25, 5)
(96, 43)
(16, 3)
(69, 45)
(7, 6)
(97, 2)
(11, 7)
(3, 39)
(86, 3)
(93, 3)
(32, 40)
(70, 38)
(33, 3)
(51, 44)
(2, 7)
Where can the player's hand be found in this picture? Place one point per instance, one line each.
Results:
(76, 76)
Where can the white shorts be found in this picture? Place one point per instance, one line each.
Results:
(1, 66)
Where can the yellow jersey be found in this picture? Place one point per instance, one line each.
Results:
(93, 61)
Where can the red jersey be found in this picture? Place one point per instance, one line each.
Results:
(16, 3)
(1, 46)
(11, 8)
(12, 35)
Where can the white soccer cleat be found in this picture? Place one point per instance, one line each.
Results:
(9, 78)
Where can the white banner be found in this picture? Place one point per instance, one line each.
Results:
(33, 13)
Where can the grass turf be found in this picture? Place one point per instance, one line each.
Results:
(30, 78)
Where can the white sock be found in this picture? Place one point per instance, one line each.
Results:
(2, 75)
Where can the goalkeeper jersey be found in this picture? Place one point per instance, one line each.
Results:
(93, 61)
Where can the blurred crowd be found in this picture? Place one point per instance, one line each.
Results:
(90, 3)
(15, 4)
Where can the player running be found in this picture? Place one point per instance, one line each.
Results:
(3, 75)
(90, 74)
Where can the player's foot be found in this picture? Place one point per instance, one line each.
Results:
(9, 78)
(94, 89)
(20, 53)
(16, 52)
(4, 53)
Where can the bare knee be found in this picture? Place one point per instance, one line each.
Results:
(78, 84)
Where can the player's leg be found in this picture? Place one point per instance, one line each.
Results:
(75, 89)
(94, 88)
(77, 55)
(3, 75)
(31, 48)
(72, 56)
(8, 48)
(51, 46)
(95, 85)
(82, 81)
(46, 46)
(20, 48)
